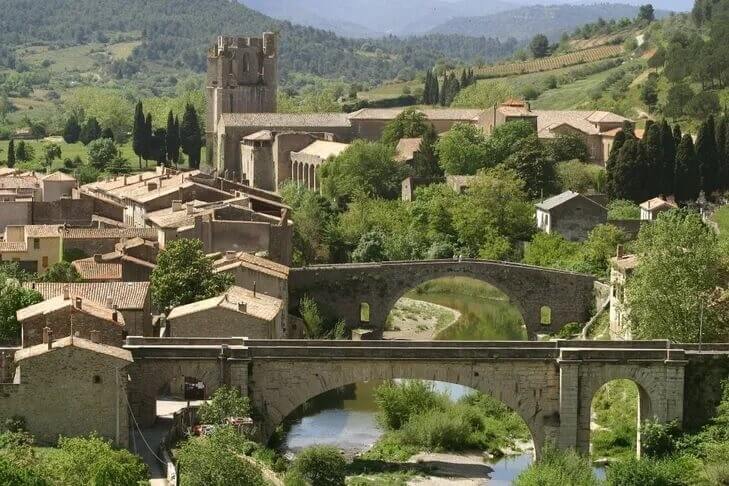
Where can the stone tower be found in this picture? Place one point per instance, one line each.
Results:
(242, 78)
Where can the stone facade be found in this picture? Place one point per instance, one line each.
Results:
(571, 215)
(342, 290)
(620, 269)
(34, 247)
(71, 388)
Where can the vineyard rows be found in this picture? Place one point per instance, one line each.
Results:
(550, 63)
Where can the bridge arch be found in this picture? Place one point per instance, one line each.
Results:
(530, 389)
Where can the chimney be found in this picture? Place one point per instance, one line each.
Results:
(176, 205)
(66, 292)
(242, 307)
(151, 186)
(621, 252)
(254, 288)
(190, 208)
(79, 301)
(95, 336)
(115, 315)
(230, 255)
(109, 302)
(48, 337)
(97, 257)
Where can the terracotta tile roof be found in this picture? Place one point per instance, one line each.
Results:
(657, 203)
(260, 306)
(125, 295)
(57, 303)
(19, 182)
(42, 231)
(113, 233)
(448, 114)
(247, 260)
(167, 218)
(324, 149)
(285, 120)
(76, 342)
(13, 246)
(584, 121)
(407, 148)
(91, 270)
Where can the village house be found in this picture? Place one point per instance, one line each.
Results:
(621, 266)
(570, 214)
(19, 186)
(131, 261)
(68, 315)
(93, 241)
(131, 299)
(238, 312)
(33, 247)
(650, 209)
(85, 386)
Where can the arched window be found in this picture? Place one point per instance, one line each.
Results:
(545, 315)
(364, 312)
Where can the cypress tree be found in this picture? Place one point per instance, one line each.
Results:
(72, 130)
(444, 90)
(107, 133)
(668, 166)
(428, 87)
(624, 173)
(464, 79)
(190, 136)
(91, 131)
(707, 157)
(652, 169)
(721, 154)
(687, 183)
(173, 140)
(677, 136)
(139, 140)
(149, 149)
(11, 153)
(435, 90)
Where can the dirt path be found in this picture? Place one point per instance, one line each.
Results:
(415, 320)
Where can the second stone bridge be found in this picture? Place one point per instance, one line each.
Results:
(364, 294)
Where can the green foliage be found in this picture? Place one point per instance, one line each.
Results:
(671, 290)
(72, 130)
(658, 439)
(102, 153)
(92, 460)
(12, 474)
(539, 46)
(623, 209)
(213, 461)
(61, 272)
(12, 298)
(226, 402)
(90, 131)
(184, 274)
(533, 166)
(577, 176)
(313, 320)
(484, 94)
(676, 471)
(463, 150)
(371, 248)
(398, 403)
(24, 152)
(567, 147)
(318, 466)
(558, 468)
(312, 216)
(191, 136)
(364, 168)
(411, 123)
(615, 408)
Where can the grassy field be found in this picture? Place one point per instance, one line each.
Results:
(389, 90)
(70, 151)
(721, 218)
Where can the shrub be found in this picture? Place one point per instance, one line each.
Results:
(318, 466)
(207, 461)
(558, 468)
(399, 402)
(441, 430)
(11, 474)
(676, 471)
(658, 439)
(226, 402)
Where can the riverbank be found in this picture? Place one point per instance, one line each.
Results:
(417, 320)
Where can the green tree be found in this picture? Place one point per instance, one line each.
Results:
(11, 154)
(313, 217)
(533, 166)
(24, 152)
(668, 165)
(646, 13)
(226, 402)
(504, 138)
(651, 169)
(320, 466)
(172, 143)
(678, 97)
(72, 130)
(107, 133)
(102, 152)
(51, 152)
(539, 46)
(625, 173)
(549, 250)
(184, 274)
(92, 460)
(61, 272)
(364, 168)
(463, 150)
(687, 182)
(371, 248)
(670, 292)
(425, 162)
(707, 156)
(649, 91)
(139, 133)
(149, 137)
(91, 131)
(191, 137)
(567, 147)
(12, 298)
(410, 123)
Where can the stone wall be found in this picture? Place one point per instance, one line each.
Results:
(74, 212)
(66, 319)
(705, 374)
(575, 218)
(220, 322)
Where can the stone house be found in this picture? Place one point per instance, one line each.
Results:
(131, 299)
(650, 209)
(69, 387)
(93, 241)
(67, 315)
(621, 266)
(76, 212)
(131, 261)
(57, 186)
(238, 312)
(34, 247)
(571, 215)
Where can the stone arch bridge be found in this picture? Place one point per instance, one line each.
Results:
(341, 290)
(549, 384)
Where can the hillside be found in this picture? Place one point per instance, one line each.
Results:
(524, 22)
(373, 18)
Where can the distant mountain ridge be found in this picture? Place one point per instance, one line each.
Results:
(525, 22)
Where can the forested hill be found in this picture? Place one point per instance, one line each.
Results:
(175, 33)
(551, 20)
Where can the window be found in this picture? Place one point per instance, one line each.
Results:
(364, 312)
(97, 379)
(36, 243)
(545, 315)
(45, 262)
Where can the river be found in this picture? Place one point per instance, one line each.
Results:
(346, 418)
